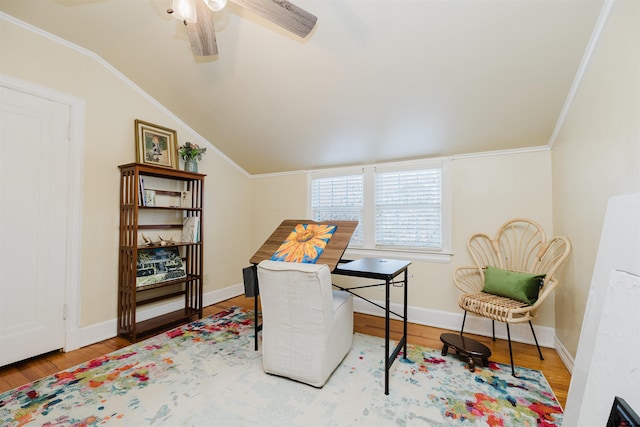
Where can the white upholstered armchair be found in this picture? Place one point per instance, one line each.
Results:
(307, 326)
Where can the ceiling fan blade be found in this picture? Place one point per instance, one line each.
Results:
(202, 34)
(283, 13)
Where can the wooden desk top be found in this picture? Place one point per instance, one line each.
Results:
(332, 252)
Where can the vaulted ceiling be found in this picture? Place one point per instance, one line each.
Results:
(375, 81)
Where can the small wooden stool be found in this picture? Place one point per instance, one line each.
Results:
(467, 347)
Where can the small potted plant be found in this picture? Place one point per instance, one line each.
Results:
(191, 153)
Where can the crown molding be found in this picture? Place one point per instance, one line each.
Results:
(582, 68)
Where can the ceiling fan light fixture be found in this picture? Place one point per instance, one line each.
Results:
(216, 5)
(184, 10)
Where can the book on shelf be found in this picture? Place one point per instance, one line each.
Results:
(191, 229)
(141, 200)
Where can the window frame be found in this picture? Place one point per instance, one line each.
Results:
(369, 249)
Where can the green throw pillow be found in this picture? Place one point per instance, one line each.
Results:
(512, 284)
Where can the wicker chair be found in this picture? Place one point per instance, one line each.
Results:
(520, 245)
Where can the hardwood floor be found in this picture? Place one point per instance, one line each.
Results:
(525, 355)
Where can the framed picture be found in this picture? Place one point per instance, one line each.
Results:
(156, 145)
(622, 415)
(157, 265)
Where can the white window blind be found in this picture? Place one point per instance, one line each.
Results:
(339, 198)
(408, 209)
(403, 209)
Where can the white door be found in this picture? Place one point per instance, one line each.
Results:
(34, 182)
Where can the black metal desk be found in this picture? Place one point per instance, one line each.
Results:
(387, 270)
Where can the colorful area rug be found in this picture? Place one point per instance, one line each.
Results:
(206, 373)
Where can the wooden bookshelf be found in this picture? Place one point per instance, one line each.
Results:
(188, 289)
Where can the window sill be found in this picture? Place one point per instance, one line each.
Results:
(442, 258)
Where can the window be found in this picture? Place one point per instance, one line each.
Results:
(408, 209)
(402, 207)
(339, 198)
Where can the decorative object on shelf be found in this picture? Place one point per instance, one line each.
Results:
(147, 241)
(191, 154)
(191, 166)
(156, 145)
(162, 242)
(186, 199)
(158, 265)
(149, 198)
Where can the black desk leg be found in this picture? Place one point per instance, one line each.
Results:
(256, 327)
(387, 363)
(406, 286)
(255, 320)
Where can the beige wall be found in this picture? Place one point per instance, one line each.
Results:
(596, 156)
(487, 191)
(275, 198)
(111, 107)
(600, 134)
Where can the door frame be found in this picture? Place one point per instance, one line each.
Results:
(73, 248)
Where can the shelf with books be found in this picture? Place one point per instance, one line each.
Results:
(161, 245)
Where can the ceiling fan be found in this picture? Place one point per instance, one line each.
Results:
(197, 16)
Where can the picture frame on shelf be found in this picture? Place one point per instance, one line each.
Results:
(149, 197)
(186, 200)
(156, 145)
(157, 265)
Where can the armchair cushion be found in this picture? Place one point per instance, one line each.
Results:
(519, 286)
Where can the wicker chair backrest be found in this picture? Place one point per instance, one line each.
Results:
(519, 245)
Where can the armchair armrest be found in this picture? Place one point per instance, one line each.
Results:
(468, 279)
(546, 290)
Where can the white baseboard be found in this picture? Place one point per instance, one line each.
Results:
(565, 356)
(103, 331)
(439, 319)
(474, 324)
(81, 337)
